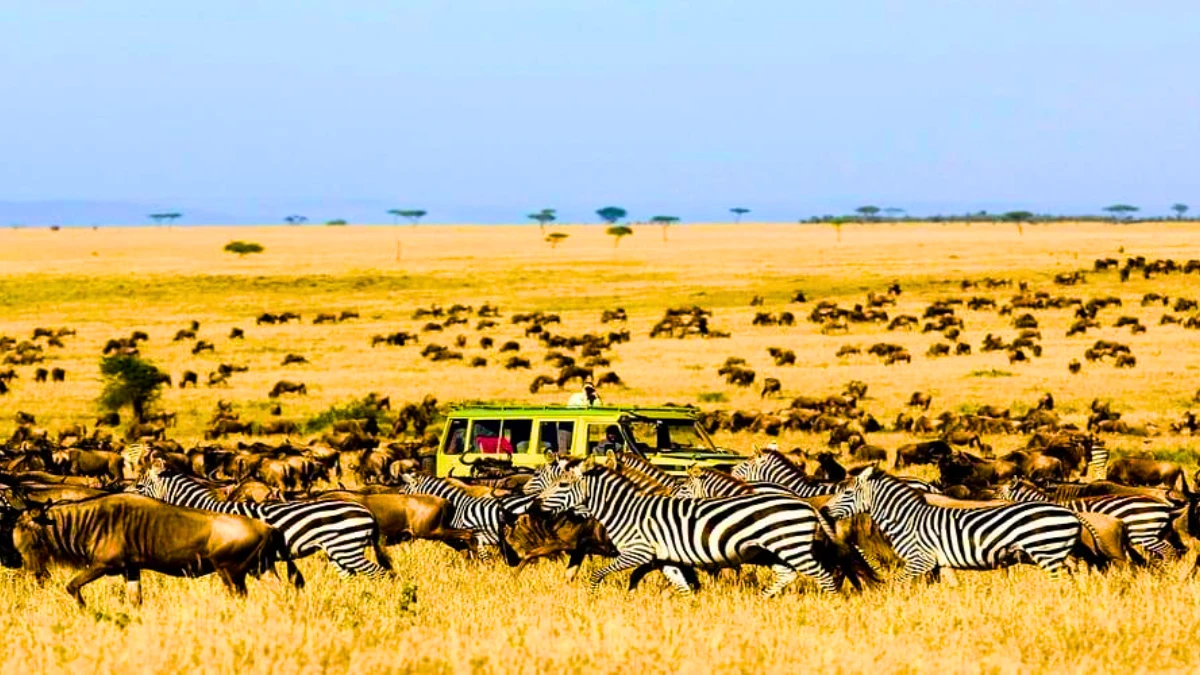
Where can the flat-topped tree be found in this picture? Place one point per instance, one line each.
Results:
(1121, 211)
(893, 212)
(1018, 218)
(738, 212)
(618, 231)
(542, 217)
(555, 238)
(868, 212)
(168, 216)
(413, 216)
(295, 219)
(1179, 210)
(611, 214)
(665, 222)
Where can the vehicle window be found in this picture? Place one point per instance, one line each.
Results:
(556, 436)
(457, 435)
(666, 435)
(485, 438)
(604, 438)
(516, 434)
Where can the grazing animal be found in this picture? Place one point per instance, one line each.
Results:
(58, 375)
(189, 377)
(1147, 473)
(770, 466)
(920, 400)
(237, 334)
(1148, 520)
(294, 359)
(927, 536)
(341, 529)
(481, 515)
(287, 387)
(753, 529)
(125, 534)
(40, 375)
(771, 386)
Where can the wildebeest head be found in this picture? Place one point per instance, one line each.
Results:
(30, 542)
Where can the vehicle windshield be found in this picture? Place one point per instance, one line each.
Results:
(679, 435)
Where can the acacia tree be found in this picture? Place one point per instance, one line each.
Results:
(542, 217)
(1179, 210)
(413, 215)
(555, 238)
(665, 222)
(893, 212)
(395, 214)
(738, 212)
(868, 212)
(611, 214)
(130, 381)
(1120, 211)
(1019, 218)
(618, 231)
(295, 219)
(169, 216)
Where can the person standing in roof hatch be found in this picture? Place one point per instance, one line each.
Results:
(588, 398)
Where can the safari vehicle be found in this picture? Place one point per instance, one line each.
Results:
(525, 436)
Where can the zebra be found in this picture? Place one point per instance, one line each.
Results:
(770, 466)
(642, 465)
(341, 529)
(715, 533)
(929, 537)
(1097, 462)
(482, 515)
(705, 483)
(1148, 520)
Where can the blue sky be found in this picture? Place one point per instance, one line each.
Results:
(247, 110)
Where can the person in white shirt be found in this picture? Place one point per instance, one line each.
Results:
(588, 398)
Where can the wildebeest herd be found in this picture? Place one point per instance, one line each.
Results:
(113, 504)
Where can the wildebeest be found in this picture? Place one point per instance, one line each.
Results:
(58, 375)
(287, 387)
(928, 452)
(1148, 473)
(920, 400)
(203, 345)
(771, 386)
(237, 334)
(189, 377)
(125, 533)
(40, 375)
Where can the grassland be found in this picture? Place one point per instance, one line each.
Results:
(471, 617)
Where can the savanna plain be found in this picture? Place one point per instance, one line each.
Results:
(479, 616)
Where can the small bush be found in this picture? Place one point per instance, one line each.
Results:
(990, 372)
(336, 221)
(243, 247)
(354, 410)
(713, 397)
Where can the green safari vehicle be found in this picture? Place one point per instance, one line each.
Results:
(524, 436)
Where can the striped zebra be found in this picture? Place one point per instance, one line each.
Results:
(1097, 462)
(629, 460)
(482, 515)
(752, 529)
(341, 529)
(1148, 520)
(706, 483)
(929, 537)
(769, 466)
(547, 474)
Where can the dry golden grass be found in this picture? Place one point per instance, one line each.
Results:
(106, 283)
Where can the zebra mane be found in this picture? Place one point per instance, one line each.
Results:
(777, 456)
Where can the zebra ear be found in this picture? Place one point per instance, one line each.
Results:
(867, 473)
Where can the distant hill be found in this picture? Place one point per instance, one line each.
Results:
(70, 212)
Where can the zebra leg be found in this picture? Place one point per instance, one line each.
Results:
(678, 579)
(807, 565)
(351, 560)
(627, 559)
(784, 575)
(917, 567)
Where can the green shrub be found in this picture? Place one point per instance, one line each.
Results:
(990, 372)
(713, 397)
(243, 247)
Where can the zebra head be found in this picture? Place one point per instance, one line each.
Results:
(751, 469)
(856, 499)
(153, 482)
(546, 475)
(568, 493)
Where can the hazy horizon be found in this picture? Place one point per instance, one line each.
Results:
(244, 113)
